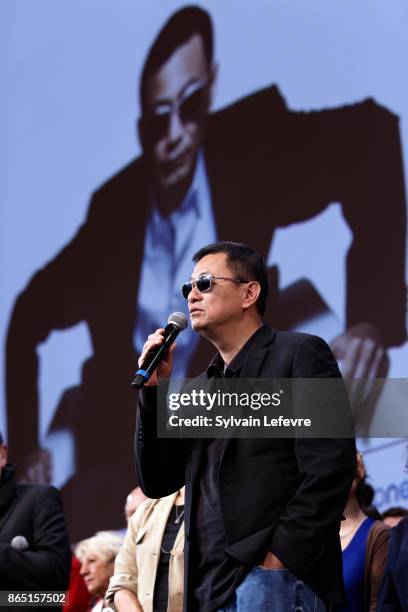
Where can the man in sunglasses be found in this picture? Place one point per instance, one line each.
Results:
(262, 515)
(242, 172)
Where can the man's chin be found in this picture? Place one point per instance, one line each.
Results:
(196, 324)
(173, 187)
(180, 175)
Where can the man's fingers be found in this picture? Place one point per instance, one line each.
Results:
(380, 364)
(158, 332)
(339, 346)
(365, 359)
(153, 341)
(368, 349)
(151, 344)
(363, 387)
(351, 358)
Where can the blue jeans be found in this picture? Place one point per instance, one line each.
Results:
(273, 591)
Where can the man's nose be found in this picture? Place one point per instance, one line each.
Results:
(175, 132)
(194, 295)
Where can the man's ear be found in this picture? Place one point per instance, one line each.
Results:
(213, 83)
(252, 291)
(3, 455)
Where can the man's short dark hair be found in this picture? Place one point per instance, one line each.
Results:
(244, 262)
(395, 511)
(181, 26)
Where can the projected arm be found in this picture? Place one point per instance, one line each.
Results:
(55, 298)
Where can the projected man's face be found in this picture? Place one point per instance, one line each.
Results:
(177, 103)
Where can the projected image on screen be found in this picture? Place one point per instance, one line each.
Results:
(238, 173)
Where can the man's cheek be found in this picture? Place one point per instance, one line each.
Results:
(194, 135)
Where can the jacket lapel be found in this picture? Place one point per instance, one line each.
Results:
(252, 368)
(197, 447)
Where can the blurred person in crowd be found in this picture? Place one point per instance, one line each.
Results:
(364, 542)
(197, 170)
(140, 582)
(133, 501)
(78, 597)
(97, 557)
(395, 515)
(34, 548)
(393, 596)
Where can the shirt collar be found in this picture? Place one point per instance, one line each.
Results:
(217, 369)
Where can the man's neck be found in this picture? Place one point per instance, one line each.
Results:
(170, 202)
(231, 342)
(171, 199)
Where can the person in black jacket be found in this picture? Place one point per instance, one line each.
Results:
(35, 552)
(240, 172)
(262, 515)
(393, 596)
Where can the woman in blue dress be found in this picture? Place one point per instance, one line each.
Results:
(364, 542)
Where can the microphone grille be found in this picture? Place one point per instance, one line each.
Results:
(19, 542)
(178, 319)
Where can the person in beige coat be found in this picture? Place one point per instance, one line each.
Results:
(149, 568)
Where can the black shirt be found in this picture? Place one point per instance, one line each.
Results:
(215, 575)
(161, 586)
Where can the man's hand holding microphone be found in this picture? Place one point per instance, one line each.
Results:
(156, 360)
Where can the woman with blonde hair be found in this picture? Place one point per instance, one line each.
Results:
(97, 557)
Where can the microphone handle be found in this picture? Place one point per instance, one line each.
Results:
(153, 359)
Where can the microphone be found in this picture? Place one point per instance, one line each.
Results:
(19, 542)
(177, 321)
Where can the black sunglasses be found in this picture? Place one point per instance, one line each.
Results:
(189, 109)
(204, 283)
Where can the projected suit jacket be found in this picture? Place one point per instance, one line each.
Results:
(267, 167)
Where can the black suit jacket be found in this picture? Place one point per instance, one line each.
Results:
(393, 595)
(267, 167)
(34, 512)
(283, 495)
